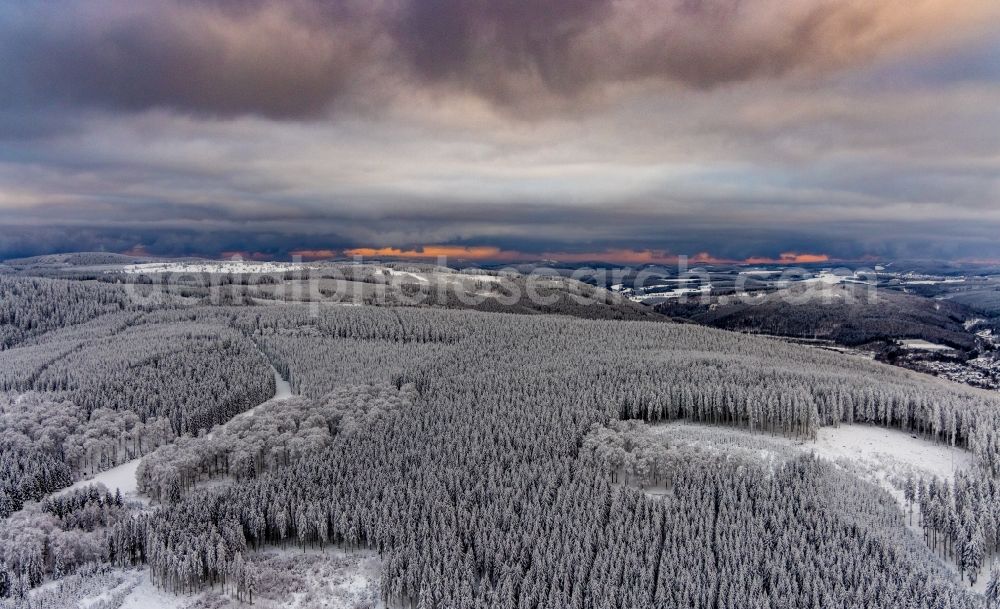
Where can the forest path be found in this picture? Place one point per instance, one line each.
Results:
(282, 391)
(122, 477)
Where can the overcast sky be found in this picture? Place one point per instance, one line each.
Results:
(630, 130)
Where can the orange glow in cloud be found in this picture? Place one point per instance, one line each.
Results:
(314, 254)
(617, 255)
(706, 258)
(485, 252)
(620, 256)
(488, 252)
(789, 258)
(629, 256)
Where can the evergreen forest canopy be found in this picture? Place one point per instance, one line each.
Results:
(490, 459)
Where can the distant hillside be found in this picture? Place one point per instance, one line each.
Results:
(390, 284)
(560, 297)
(78, 259)
(985, 301)
(844, 314)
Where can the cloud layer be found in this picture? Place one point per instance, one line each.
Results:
(299, 58)
(632, 128)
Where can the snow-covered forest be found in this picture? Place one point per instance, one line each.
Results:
(484, 459)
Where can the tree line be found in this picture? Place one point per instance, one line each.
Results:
(479, 496)
(476, 489)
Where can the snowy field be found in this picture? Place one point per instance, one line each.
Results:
(436, 277)
(923, 345)
(290, 579)
(826, 278)
(229, 267)
(121, 478)
(876, 454)
(237, 267)
(887, 452)
(143, 594)
(419, 277)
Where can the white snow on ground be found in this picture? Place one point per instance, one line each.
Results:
(415, 276)
(282, 391)
(886, 450)
(330, 578)
(875, 454)
(885, 456)
(145, 595)
(234, 266)
(923, 345)
(972, 323)
(935, 281)
(675, 293)
(826, 278)
(136, 591)
(437, 277)
(485, 278)
(289, 578)
(121, 477)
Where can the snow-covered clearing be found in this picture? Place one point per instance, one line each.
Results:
(121, 477)
(675, 293)
(145, 595)
(972, 323)
(92, 588)
(826, 278)
(923, 345)
(886, 456)
(282, 389)
(478, 277)
(331, 578)
(889, 451)
(233, 267)
(116, 589)
(936, 281)
(875, 454)
(415, 276)
(289, 578)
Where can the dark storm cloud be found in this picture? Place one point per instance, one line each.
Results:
(297, 58)
(508, 49)
(273, 59)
